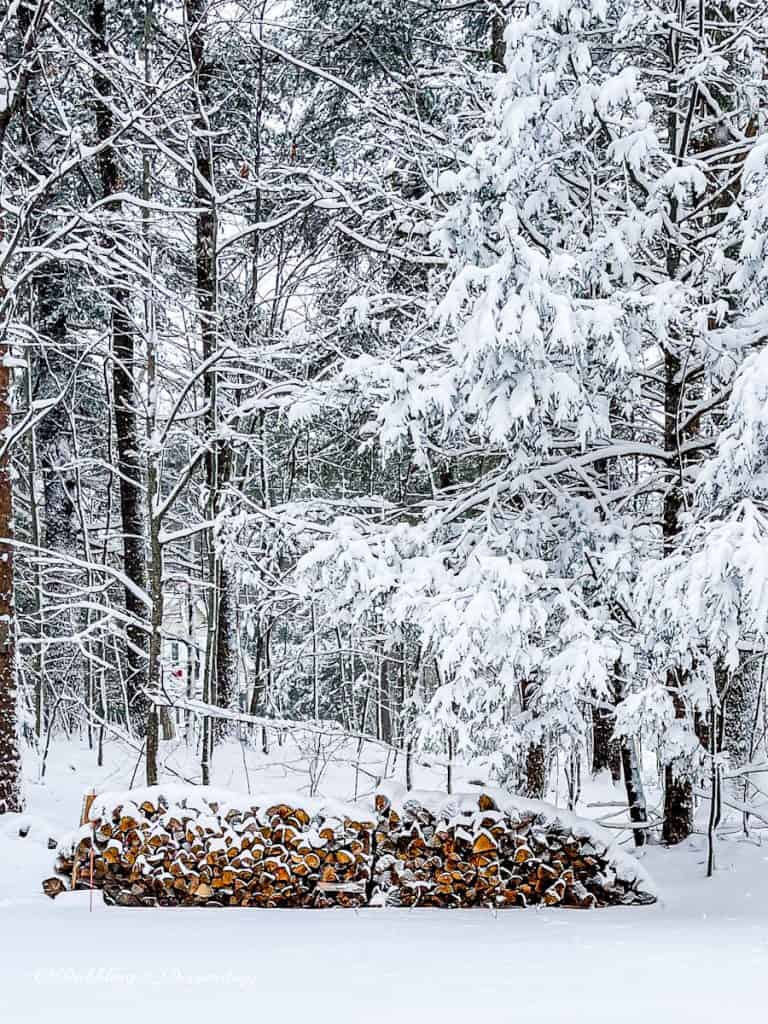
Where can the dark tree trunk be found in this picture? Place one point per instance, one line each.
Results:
(738, 693)
(739, 707)
(205, 233)
(385, 704)
(678, 786)
(49, 285)
(678, 805)
(124, 400)
(259, 692)
(52, 369)
(226, 653)
(678, 792)
(678, 789)
(606, 751)
(631, 762)
(221, 631)
(498, 46)
(536, 772)
(10, 757)
(262, 671)
(535, 784)
(11, 796)
(633, 783)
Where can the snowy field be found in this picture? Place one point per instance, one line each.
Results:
(699, 955)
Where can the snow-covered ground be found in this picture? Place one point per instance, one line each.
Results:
(701, 954)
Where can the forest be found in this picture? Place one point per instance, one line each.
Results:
(384, 399)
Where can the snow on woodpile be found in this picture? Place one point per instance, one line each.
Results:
(494, 850)
(191, 846)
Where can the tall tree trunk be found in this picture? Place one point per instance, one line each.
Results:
(678, 786)
(10, 756)
(38, 655)
(53, 351)
(219, 683)
(49, 293)
(155, 668)
(124, 398)
(678, 791)
(11, 797)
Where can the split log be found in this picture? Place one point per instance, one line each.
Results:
(54, 887)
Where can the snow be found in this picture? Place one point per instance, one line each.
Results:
(201, 797)
(702, 951)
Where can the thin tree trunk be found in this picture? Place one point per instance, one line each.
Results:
(124, 397)
(219, 683)
(634, 786)
(678, 790)
(226, 657)
(535, 759)
(155, 590)
(385, 705)
(38, 657)
(498, 45)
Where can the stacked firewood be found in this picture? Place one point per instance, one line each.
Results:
(173, 846)
(189, 850)
(491, 851)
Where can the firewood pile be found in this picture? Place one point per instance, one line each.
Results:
(492, 850)
(176, 846)
(191, 848)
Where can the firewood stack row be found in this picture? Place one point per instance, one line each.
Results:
(175, 846)
(490, 852)
(189, 850)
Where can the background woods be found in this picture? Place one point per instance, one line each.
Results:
(389, 372)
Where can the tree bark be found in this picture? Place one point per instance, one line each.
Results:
(226, 654)
(10, 755)
(606, 751)
(385, 702)
(678, 787)
(498, 45)
(154, 668)
(124, 398)
(633, 783)
(220, 665)
(11, 793)
(535, 783)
